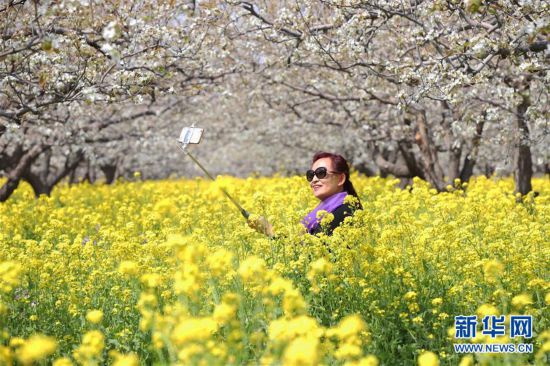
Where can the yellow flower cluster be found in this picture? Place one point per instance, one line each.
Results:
(90, 351)
(36, 348)
(168, 272)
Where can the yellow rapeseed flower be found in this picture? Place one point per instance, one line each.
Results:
(492, 269)
(63, 361)
(220, 261)
(196, 305)
(10, 273)
(36, 348)
(92, 346)
(348, 327)
(288, 329)
(522, 300)
(279, 286)
(16, 342)
(428, 358)
(194, 329)
(369, 360)
(126, 360)
(6, 356)
(252, 268)
(410, 296)
(223, 313)
(467, 360)
(94, 316)
(302, 351)
(437, 301)
(347, 351)
(487, 309)
(129, 268)
(319, 267)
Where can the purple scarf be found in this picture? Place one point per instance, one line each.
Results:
(310, 221)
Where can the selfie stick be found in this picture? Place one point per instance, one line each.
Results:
(187, 134)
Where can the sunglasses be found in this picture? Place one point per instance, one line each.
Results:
(320, 172)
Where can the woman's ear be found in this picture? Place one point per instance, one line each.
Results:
(341, 179)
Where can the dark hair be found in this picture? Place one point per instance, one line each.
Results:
(341, 166)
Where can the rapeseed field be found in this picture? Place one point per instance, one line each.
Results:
(168, 272)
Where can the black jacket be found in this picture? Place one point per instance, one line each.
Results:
(340, 213)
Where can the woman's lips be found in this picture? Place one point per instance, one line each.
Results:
(316, 187)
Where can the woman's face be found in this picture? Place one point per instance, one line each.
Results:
(329, 185)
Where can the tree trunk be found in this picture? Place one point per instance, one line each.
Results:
(363, 168)
(70, 165)
(454, 143)
(38, 185)
(44, 180)
(429, 160)
(470, 159)
(406, 150)
(455, 152)
(72, 176)
(489, 170)
(109, 170)
(386, 167)
(15, 175)
(90, 173)
(523, 163)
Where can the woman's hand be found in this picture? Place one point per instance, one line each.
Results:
(261, 225)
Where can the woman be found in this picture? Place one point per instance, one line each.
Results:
(329, 180)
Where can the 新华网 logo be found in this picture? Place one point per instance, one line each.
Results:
(493, 326)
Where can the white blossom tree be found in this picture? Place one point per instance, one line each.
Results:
(70, 69)
(435, 89)
(435, 84)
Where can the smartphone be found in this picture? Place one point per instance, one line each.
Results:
(190, 135)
